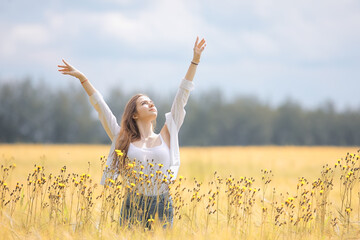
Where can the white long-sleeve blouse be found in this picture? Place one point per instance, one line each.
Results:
(174, 120)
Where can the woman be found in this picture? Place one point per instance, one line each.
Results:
(146, 161)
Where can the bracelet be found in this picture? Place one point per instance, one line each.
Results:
(83, 81)
(194, 63)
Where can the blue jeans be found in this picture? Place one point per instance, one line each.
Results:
(138, 209)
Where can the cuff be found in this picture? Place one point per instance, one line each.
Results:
(95, 98)
(187, 84)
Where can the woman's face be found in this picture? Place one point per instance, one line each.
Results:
(146, 109)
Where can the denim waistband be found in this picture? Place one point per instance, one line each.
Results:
(134, 193)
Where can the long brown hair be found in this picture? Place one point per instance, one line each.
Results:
(129, 132)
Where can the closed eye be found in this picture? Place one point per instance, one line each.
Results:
(146, 102)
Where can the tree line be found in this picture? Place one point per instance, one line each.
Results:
(32, 112)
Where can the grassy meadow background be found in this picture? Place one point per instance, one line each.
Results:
(288, 164)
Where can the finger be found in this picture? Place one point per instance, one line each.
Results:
(64, 70)
(201, 43)
(61, 66)
(65, 63)
(197, 39)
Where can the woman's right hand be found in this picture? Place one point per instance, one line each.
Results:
(70, 70)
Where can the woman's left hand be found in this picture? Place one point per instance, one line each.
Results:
(198, 48)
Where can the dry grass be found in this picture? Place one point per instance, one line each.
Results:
(288, 164)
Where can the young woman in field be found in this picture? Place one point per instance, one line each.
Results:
(146, 161)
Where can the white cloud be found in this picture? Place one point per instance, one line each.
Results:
(311, 30)
(259, 43)
(164, 24)
(29, 34)
(22, 36)
(303, 30)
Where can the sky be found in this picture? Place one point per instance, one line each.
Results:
(307, 51)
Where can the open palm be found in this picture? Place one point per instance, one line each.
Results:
(69, 70)
(199, 48)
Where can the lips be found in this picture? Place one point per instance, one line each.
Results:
(153, 109)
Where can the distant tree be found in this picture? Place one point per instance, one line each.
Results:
(34, 113)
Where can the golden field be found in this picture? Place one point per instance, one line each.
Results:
(235, 217)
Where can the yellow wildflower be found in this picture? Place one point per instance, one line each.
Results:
(119, 152)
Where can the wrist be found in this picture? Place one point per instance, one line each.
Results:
(82, 78)
(196, 60)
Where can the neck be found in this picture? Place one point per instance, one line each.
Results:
(145, 128)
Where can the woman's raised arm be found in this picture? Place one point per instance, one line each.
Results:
(177, 109)
(198, 49)
(107, 118)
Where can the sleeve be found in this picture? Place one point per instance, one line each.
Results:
(107, 118)
(177, 110)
